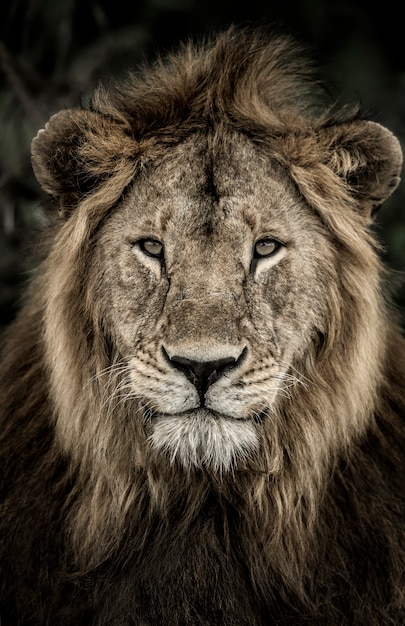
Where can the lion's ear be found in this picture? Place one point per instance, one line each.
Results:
(76, 151)
(368, 157)
(55, 151)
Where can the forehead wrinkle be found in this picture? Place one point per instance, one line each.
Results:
(249, 217)
(164, 217)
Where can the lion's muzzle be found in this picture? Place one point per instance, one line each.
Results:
(204, 373)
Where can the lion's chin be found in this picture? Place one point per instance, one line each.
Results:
(202, 439)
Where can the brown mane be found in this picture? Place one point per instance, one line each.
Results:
(98, 528)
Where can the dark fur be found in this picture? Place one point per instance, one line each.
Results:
(205, 558)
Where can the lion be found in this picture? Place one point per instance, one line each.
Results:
(202, 395)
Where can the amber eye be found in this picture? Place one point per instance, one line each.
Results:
(266, 247)
(151, 247)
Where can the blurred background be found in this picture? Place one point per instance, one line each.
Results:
(52, 52)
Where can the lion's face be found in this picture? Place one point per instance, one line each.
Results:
(207, 276)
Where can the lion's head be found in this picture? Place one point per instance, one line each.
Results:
(201, 396)
(212, 296)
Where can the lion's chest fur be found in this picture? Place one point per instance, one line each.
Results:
(207, 558)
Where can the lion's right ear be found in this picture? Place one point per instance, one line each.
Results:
(76, 151)
(55, 153)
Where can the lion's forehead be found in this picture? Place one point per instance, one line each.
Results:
(201, 162)
(224, 192)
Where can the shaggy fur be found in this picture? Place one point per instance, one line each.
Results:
(272, 492)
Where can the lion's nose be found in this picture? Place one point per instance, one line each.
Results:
(202, 373)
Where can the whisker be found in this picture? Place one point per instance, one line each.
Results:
(299, 376)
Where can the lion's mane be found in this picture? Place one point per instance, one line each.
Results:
(96, 528)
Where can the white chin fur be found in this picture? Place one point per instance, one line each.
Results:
(201, 439)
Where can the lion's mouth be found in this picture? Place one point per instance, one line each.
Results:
(202, 413)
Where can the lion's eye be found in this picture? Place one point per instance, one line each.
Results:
(266, 247)
(151, 247)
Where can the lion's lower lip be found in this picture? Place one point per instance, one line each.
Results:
(203, 414)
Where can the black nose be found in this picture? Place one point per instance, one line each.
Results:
(202, 373)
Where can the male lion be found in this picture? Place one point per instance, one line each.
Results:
(202, 396)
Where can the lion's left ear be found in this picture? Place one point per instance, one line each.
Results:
(368, 157)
